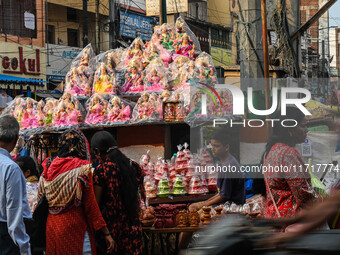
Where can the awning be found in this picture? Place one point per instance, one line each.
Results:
(14, 79)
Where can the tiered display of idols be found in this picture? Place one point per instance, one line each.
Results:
(170, 63)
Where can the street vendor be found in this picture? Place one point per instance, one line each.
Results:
(231, 185)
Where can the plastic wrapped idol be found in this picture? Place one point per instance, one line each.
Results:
(96, 111)
(166, 38)
(118, 111)
(179, 72)
(134, 78)
(14, 108)
(41, 115)
(104, 81)
(145, 160)
(150, 187)
(178, 187)
(151, 52)
(78, 80)
(183, 28)
(146, 108)
(155, 78)
(69, 112)
(165, 96)
(184, 47)
(28, 114)
(49, 111)
(163, 187)
(134, 52)
(205, 69)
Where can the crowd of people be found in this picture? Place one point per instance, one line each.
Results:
(96, 211)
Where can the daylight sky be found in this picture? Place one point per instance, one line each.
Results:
(334, 14)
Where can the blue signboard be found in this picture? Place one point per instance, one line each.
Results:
(133, 25)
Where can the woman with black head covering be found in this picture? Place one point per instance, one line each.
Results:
(74, 215)
(287, 181)
(117, 180)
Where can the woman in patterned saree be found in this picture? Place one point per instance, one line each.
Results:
(117, 180)
(289, 189)
(74, 215)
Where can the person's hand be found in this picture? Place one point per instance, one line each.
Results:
(195, 207)
(109, 243)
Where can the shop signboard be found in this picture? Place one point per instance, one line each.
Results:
(23, 61)
(59, 60)
(172, 6)
(221, 56)
(133, 25)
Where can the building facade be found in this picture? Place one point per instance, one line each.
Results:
(22, 40)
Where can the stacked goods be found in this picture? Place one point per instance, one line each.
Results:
(147, 217)
(179, 188)
(163, 188)
(150, 187)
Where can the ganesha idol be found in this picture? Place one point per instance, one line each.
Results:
(134, 79)
(118, 112)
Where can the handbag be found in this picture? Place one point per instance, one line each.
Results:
(38, 238)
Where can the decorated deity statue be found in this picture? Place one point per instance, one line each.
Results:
(29, 115)
(179, 29)
(49, 110)
(150, 53)
(96, 111)
(166, 37)
(60, 116)
(41, 115)
(205, 70)
(134, 79)
(118, 111)
(185, 47)
(136, 49)
(85, 58)
(154, 80)
(103, 82)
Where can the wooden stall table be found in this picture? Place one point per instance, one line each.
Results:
(168, 231)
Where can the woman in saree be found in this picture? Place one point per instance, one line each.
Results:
(74, 215)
